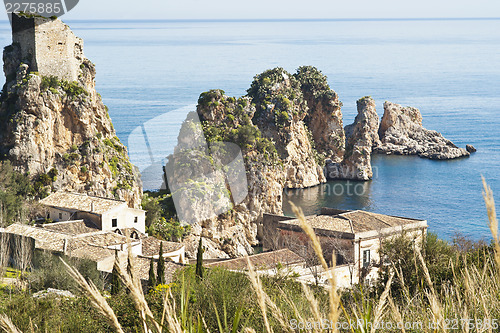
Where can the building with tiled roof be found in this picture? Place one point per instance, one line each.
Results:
(261, 262)
(354, 236)
(104, 213)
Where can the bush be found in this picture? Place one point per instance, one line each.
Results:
(49, 272)
(50, 82)
(73, 89)
(15, 189)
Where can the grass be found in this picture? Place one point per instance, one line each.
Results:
(12, 273)
(226, 301)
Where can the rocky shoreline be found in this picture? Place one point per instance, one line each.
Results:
(290, 128)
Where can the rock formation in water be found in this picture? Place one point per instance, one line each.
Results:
(277, 134)
(53, 124)
(361, 138)
(280, 112)
(324, 118)
(401, 133)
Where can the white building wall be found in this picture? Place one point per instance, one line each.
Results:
(59, 215)
(125, 218)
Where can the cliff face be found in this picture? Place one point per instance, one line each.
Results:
(280, 114)
(59, 131)
(402, 133)
(225, 120)
(362, 137)
(287, 127)
(276, 126)
(324, 118)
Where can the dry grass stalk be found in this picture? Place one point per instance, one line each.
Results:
(293, 306)
(313, 303)
(93, 294)
(7, 325)
(436, 307)
(334, 298)
(134, 285)
(379, 310)
(493, 221)
(396, 313)
(173, 323)
(261, 299)
(276, 312)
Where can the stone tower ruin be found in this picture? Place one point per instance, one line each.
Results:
(48, 46)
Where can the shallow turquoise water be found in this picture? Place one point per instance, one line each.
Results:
(450, 69)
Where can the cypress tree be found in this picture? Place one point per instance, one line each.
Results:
(160, 271)
(199, 260)
(152, 276)
(116, 284)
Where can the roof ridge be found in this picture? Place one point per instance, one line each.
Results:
(348, 219)
(376, 217)
(260, 254)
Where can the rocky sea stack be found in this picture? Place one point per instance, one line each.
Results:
(53, 124)
(402, 133)
(290, 130)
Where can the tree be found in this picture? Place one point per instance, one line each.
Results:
(116, 284)
(4, 252)
(160, 269)
(23, 248)
(152, 276)
(199, 260)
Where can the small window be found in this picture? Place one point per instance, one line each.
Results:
(60, 216)
(366, 258)
(114, 223)
(136, 219)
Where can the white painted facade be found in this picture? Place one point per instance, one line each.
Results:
(120, 217)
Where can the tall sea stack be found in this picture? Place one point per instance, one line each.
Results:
(53, 124)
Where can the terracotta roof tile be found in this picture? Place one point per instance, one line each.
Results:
(151, 246)
(81, 202)
(72, 227)
(262, 261)
(44, 239)
(142, 264)
(354, 221)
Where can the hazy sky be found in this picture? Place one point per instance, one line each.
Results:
(255, 9)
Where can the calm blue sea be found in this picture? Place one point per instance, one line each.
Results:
(450, 69)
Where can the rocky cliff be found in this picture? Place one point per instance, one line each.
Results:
(361, 137)
(286, 126)
(402, 133)
(59, 131)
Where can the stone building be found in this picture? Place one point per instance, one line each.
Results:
(97, 229)
(106, 214)
(48, 46)
(354, 236)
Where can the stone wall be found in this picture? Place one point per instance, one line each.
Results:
(48, 46)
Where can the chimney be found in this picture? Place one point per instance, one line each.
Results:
(92, 207)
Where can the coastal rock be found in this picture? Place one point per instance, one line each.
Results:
(324, 118)
(285, 127)
(59, 131)
(281, 109)
(226, 119)
(470, 148)
(361, 138)
(402, 133)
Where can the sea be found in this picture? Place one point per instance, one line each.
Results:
(151, 73)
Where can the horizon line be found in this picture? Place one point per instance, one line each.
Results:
(283, 19)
